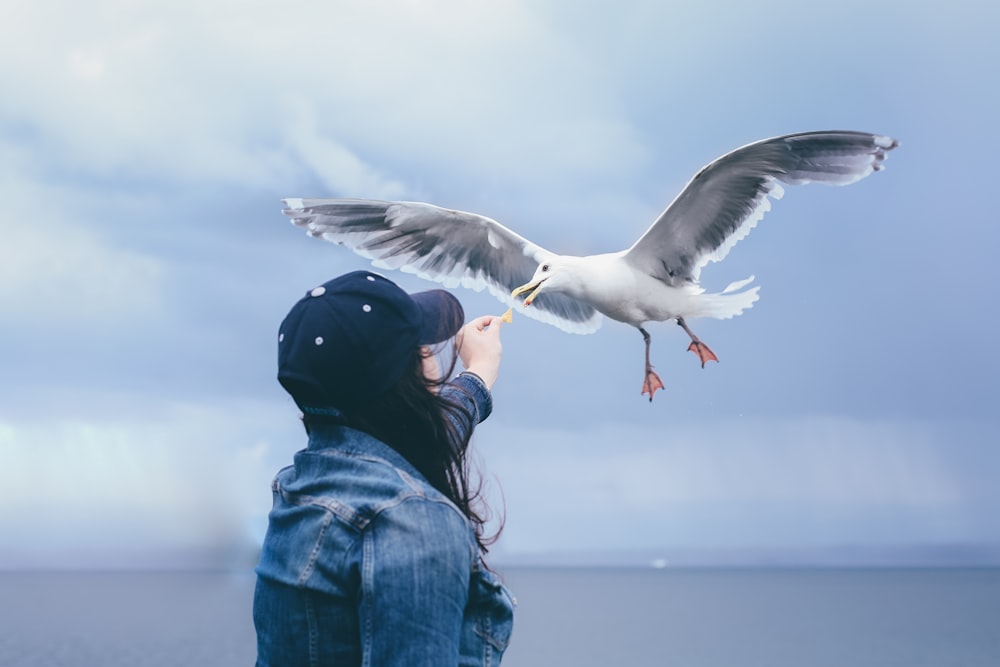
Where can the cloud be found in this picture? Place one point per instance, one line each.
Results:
(824, 480)
(190, 477)
(197, 477)
(199, 92)
(143, 147)
(339, 170)
(55, 267)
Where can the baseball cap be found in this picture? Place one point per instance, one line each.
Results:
(353, 337)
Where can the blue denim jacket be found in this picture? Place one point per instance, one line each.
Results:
(365, 563)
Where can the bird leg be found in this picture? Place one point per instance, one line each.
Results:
(696, 346)
(651, 382)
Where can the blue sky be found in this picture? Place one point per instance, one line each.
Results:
(145, 264)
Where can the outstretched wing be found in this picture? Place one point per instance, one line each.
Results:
(451, 247)
(726, 199)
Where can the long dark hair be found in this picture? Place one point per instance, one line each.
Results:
(432, 432)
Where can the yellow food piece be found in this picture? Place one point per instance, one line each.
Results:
(508, 317)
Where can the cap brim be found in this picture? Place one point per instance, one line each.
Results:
(441, 315)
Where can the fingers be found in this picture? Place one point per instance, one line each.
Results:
(479, 347)
(484, 322)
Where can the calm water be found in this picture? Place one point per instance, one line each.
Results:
(579, 617)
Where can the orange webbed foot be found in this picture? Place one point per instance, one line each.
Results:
(703, 351)
(651, 383)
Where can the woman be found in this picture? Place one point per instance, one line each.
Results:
(373, 554)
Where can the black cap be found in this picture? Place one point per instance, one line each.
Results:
(354, 337)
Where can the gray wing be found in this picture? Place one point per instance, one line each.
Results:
(726, 199)
(451, 247)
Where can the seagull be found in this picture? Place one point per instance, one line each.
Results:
(654, 280)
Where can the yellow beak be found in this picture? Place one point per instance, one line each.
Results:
(525, 288)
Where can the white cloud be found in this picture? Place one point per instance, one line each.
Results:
(202, 91)
(86, 65)
(54, 266)
(827, 459)
(190, 477)
(338, 168)
(197, 476)
(75, 277)
(560, 114)
(824, 479)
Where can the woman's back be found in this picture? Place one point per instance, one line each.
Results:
(364, 557)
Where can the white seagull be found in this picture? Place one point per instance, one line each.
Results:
(654, 280)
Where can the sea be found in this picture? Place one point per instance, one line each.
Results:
(576, 616)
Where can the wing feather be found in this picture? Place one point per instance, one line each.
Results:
(454, 248)
(729, 196)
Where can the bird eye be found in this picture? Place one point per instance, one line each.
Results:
(545, 267)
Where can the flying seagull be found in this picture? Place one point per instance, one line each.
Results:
(654, 280)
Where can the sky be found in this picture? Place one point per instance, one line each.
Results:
(145, 264)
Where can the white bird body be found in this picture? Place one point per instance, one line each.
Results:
(656, 279)
(635, 297)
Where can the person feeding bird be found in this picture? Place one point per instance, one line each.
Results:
(654, 280)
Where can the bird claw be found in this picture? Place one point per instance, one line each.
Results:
(703, 352)
(651, 383)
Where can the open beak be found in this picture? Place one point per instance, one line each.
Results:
(528, 288)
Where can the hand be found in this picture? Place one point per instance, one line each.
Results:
(479, 347)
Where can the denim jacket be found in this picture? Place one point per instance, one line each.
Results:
(365, 563)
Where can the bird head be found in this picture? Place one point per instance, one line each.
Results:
(547, 276)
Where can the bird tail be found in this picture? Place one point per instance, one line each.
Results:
(730, 302)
